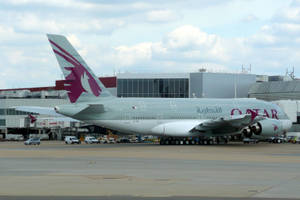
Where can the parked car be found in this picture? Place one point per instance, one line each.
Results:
(72, 140)
(102, 140)
(134, 140)
(123, 140)
(91, 140)
(111, 140)
(41, 136)
(33, 141)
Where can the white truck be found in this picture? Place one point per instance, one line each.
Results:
(72, 140)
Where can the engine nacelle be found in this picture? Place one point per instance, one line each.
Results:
(247, 132)
(268, 128)
(176, 129)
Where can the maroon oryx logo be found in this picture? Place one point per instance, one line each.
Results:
(79, 80)
(32, 118)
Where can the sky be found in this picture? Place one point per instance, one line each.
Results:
(148, 36)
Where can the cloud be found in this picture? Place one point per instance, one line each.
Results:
(162, 16)
(148, 36)
(250, 18)
(33, 23)
(183, 49)
(133, 55)
(195, 43)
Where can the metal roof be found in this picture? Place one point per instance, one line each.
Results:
(275, 87)
(276, 90)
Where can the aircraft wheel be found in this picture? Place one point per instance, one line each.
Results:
(279, 141)
(173, 142)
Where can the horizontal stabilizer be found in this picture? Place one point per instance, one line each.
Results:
(45, 111)
(40, 110)
(92, 109)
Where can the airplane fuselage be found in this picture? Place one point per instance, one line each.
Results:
(141, 115)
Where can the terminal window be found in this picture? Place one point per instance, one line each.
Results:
(2, 122)
(11, 111)
(169, 88)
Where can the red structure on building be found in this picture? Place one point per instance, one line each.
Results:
(108, 82)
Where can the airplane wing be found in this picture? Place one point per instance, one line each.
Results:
(225, 125)
(87, 109)
(210, 127)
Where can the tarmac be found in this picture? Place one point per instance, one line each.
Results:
(149, 171)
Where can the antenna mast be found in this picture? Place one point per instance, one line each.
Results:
(291, 74)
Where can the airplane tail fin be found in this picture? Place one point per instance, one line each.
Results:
(81, 83)
(32, 118)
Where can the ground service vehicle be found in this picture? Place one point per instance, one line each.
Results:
(296, 140)
(14, 137)
(72, 140)
(91, 140)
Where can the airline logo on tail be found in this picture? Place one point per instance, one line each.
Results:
(32, 118)
(79, 80)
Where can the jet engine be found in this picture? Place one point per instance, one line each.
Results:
(247, 132)
(267, 128)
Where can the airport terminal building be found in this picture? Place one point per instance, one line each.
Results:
(185, 85)
(168, 85)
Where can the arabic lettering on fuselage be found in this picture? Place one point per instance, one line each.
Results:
(263, 112)
(206, 110)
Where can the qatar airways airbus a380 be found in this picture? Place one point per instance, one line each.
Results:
(173, 119)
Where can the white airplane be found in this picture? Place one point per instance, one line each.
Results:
(172, 119)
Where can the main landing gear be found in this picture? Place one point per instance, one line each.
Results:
(192, 141)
